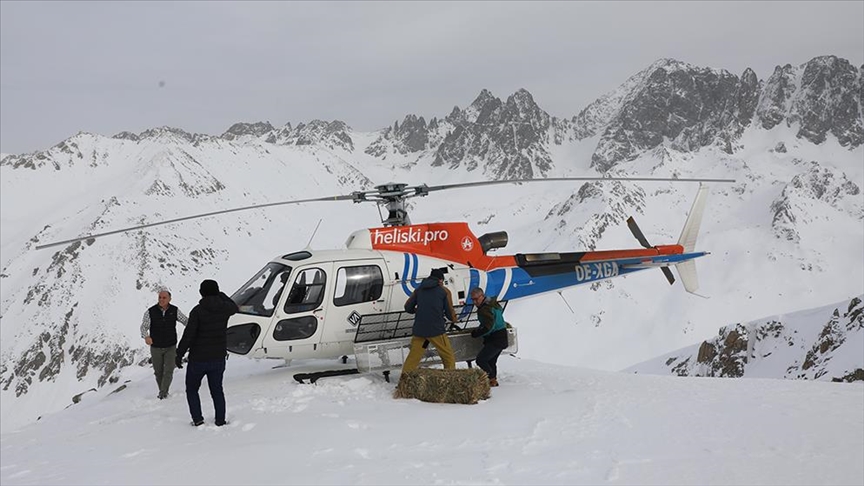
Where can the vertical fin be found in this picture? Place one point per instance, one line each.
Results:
(687, 272)
(687, 269)
(694, 220)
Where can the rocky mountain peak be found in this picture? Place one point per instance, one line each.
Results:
(317, 132)
(689, 106)
(828, 102)
(522, 104)
(248, 129)
(482, 99)
(165, 132)
(124, 135)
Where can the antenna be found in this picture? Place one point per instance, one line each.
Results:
(308, 245)
(565, 302)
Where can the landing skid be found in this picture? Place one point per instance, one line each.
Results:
(286, 363)
(313, 377)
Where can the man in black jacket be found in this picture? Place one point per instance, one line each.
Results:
(430, 303)
(205, 338)
(159, 331)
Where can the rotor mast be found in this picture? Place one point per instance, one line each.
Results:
(392, 196)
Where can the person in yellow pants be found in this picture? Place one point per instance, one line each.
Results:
(431, 305)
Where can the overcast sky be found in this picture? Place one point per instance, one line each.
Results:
(105, 67)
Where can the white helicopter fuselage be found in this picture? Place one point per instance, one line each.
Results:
(326, 292)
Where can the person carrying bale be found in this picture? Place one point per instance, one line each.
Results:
(492, 329)
(430, 303)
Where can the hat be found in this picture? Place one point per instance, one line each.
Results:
(209, 287)
(437, 274)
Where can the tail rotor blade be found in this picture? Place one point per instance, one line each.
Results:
(669, 276)
(634, 228)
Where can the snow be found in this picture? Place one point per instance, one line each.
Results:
(545, 424)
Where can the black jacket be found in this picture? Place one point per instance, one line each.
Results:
(430, 304)
(163, 328)
(205, 334)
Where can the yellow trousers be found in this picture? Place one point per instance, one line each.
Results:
(442, 345)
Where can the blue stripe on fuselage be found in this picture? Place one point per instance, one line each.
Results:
(524, 285)
(409, 267)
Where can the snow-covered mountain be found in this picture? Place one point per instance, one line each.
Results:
(787, 236)
(825, 343)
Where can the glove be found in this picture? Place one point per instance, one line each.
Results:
(179, 361)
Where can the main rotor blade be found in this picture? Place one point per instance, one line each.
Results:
(561, 179)
(194, 216)
(634, 228)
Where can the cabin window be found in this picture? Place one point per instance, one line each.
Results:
(358, 284)
(307, 292)
(260, 295)
(240, 339)
(293, 329)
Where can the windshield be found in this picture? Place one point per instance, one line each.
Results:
(260, 294)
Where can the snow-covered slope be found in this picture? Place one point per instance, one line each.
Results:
(825, 343)
(545, 424)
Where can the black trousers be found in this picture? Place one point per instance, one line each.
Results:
(487, 360)
(195, 373)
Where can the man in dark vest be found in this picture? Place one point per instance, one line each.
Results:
(159, 331)
(205, 338)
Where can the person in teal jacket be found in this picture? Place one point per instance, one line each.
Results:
(492, 329)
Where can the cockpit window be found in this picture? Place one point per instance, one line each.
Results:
(260, 295)
(307, 292)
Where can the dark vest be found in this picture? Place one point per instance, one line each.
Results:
(163, 329)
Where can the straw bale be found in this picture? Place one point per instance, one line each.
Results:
(462, 385)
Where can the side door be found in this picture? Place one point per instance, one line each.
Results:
(298, 321)
(358, 289)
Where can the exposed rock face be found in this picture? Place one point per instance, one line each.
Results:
(411, 136)
(61, 344)
(724, 356)
(126, 136)
(507, 140)
(689, 106)
(822, 96)
(776, 96)
(332, 135)
(818, 184)
(828, 102)
(832, 336)
(254, 130)
(740, 349)
(620, 200)
(686, 107)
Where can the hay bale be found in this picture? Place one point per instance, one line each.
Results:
(464, 385)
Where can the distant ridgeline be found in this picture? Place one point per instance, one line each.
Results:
(819, 344)
(670, 105)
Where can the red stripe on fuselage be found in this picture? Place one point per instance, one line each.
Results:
(456, 243)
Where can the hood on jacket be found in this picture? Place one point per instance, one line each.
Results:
(219, 304)
(429, 283)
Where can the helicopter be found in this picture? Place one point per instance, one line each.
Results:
(327, 303)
